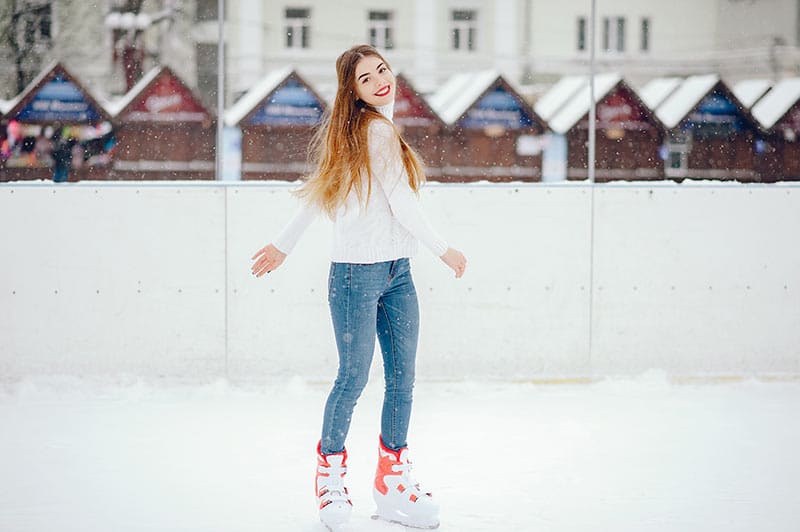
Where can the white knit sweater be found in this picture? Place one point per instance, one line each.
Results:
(391, 223)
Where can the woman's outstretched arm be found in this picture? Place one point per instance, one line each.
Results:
(272, 255)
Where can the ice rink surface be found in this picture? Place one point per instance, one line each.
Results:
(643, 454)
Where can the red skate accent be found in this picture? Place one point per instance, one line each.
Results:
(386, 459)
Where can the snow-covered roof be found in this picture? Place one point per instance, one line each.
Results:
(777, 102)
(750, 90)
(564, 89)
(453, 99)
(656, 91)
(36, 81)
(415, 95)
(114, 107)
(255, 95)
(685, 98)
(581, 102)
(5, 106)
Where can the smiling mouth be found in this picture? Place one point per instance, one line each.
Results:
(384, 91)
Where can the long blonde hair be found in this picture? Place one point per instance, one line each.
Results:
(339, 148)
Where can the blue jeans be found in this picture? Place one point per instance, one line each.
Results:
(365, 300)
(60, 173)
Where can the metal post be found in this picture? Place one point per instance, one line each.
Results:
(218, 152)
(592, 114)
(220, 86)
(592, 106)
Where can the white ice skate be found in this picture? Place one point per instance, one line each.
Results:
(334, 502)
(398, 496)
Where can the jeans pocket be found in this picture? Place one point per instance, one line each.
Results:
(331, 279)
(338, 278)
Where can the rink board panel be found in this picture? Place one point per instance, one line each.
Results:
(562, 281)
(109, 279)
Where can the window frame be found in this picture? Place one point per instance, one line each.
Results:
(464, 31)
(614, 34)
(646, 34)
(297, 28)
(380, 31)
(581, 41)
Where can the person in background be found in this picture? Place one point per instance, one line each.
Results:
(62, 155)
(367, 180)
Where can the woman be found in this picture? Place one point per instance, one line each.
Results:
(366, 181)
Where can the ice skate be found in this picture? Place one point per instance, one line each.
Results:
(332, 497)
(398, 496)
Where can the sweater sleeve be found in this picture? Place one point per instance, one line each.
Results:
(295, 228)
(386, 165)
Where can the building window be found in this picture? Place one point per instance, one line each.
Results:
(464, 29)
(581, 34)
(206, 10)
(36, 23)
(298, 27)
(614, 34)
(645, 41)
(381, 32)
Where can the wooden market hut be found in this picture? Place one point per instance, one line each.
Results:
(277, 118)
(57, 100)
(163, 131)
(710, 134)
(778, 113)
(420, 126)
(629, 135)
(492, 133)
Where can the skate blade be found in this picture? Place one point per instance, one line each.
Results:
(395, 521)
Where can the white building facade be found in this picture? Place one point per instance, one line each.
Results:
(531, 42)
(427, 40)
(528, 41)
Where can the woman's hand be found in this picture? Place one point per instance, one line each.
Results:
(456, 260)
(267, 259)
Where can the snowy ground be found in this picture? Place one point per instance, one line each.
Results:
(636, 455)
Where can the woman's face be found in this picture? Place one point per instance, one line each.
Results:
(375, 83)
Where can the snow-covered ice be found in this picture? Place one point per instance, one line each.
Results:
(643, 454)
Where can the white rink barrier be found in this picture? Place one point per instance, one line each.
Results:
(153, 279)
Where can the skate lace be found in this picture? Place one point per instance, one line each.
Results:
(334, 482)
(404, 468)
